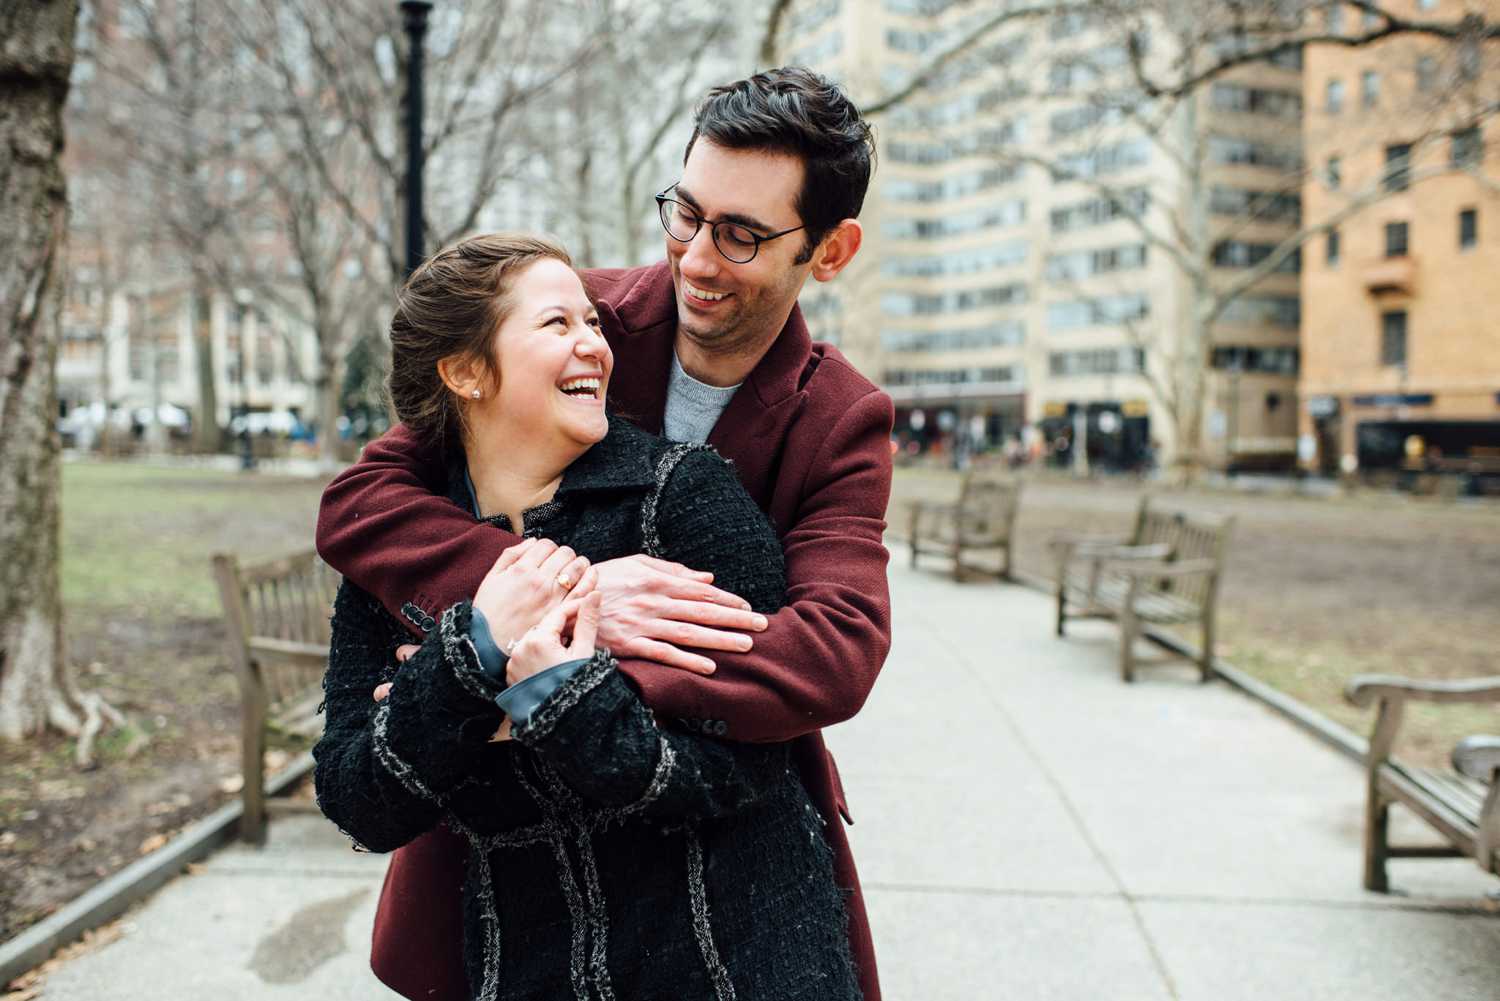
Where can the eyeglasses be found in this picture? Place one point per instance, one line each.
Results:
(734, 241)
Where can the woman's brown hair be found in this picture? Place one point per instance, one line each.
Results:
(451, 307)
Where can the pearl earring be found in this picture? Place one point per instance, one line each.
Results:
(475, 394)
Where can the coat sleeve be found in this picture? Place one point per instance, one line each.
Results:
(595, 730)
(384, 770)
(384, 524)
(601, 739)
(817, 662)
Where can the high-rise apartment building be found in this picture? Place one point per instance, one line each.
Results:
(1041, 247)
(1401, 340)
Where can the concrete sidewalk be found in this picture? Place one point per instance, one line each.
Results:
(1028, 827)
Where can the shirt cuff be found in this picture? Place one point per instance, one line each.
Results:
(492, 660)
(520, 700)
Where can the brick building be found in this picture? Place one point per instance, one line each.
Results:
(1401, 335)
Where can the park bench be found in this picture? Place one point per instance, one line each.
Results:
(983, 518)
(1165, 572)
(1461, 804)
(276, 616)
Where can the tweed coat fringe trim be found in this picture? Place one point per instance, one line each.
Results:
(426, 764)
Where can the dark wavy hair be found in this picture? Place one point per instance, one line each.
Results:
(793, 110)
(451, 307)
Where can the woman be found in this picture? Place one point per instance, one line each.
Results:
(609, 857)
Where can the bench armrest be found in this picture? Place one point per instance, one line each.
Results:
(1067, 541)
(1137, 567)
(1478, 758)
(1366, 689)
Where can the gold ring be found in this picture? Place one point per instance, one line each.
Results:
(565, 582)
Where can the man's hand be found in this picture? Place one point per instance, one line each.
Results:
(651, 608)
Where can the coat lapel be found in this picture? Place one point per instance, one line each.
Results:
(640, 319)
(752, 429)
(640, 322)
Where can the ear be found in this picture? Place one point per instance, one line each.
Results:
(462, 376)
(837, 249)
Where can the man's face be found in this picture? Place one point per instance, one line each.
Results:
(726, 308)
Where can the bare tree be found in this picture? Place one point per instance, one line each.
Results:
(176, 80)
(1161, 89)
(37, 689)
(1222, 35)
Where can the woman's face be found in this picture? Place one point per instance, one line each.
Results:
(553, 360)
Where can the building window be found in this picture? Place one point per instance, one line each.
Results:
(1398, 167)
(1265, 311)
(1370, 20)
(1468, 228)
(1467, 148)
(1333, 100)
(1426, 73)
(1245, 254)
(1333, 248)
(1426, 4)
(1393, 337)
(1395, 239)
(1097, 361)
(1110, 309)
(1369, 88)
(1270, 205)
(1333, 17)
(1275, 361)
(1233, 149)
(1335, 173)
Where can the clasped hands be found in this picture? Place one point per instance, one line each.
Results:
(545, 604)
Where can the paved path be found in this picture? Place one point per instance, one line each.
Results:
(1028, 827)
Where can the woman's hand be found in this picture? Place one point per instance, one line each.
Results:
(529, 580)
(403, 654)
(543, 646)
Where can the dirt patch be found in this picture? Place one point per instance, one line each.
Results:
(143, 629)
(65, 829)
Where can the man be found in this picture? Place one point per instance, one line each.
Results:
(708, 345)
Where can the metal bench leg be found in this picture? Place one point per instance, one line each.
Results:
(958, 562)
(1062, 603)
(1129, 626)
(1206, 658)
(1377, 841)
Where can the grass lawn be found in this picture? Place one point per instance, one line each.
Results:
(137, 539)
(143, 628)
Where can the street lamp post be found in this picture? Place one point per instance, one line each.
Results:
(414, 19)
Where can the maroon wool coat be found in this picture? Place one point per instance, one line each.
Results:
(810, 438)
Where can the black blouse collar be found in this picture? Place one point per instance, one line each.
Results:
(621, 460)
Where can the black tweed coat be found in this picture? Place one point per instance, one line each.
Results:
(610, 857)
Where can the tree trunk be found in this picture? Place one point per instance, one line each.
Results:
(330, 380)
(36, 58)
(206, 420)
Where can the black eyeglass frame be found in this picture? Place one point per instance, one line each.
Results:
(662, 201)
